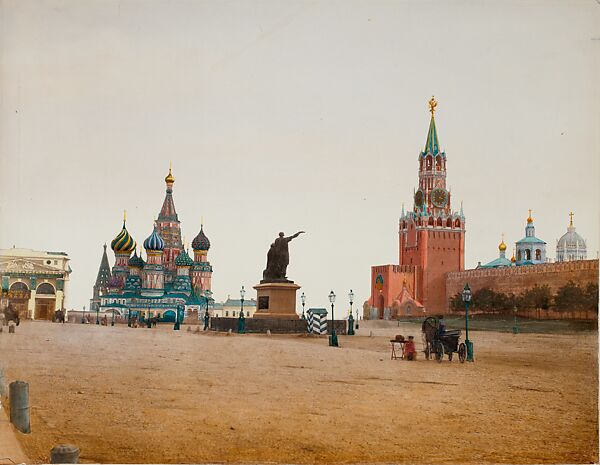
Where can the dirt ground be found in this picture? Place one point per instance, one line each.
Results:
(128, 395)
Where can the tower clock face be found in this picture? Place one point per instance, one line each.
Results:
(419, 198)
(439, 197)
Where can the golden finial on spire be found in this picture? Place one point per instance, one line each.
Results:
(432, 105)
(170, 178)
(529, 219)
(201, 221)
(124, 216)
(571, 215)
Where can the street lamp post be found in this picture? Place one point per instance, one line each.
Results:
(207, 295)
(129, 317)
(357, 318)
(466, 296)
(177, 325)
(516, 325)
(333, 341)
(83, 317)
(112, 323)
(242, 319)
(303, 300)
(98, 315)
(350, 317)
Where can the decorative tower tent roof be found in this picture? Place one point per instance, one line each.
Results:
(571, 246)
(432, 145)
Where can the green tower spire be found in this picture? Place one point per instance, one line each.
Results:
(432, 145)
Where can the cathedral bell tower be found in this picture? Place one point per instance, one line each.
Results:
(432, 236)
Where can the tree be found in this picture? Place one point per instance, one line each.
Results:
(570, 297)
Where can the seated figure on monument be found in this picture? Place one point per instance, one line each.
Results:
(278, 258)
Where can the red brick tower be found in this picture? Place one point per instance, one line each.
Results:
(432, 237)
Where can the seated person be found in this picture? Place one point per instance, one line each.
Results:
(410, 352)
(442, 326)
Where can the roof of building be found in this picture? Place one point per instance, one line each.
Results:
(30, 253)
(201, 242)
(571, 239)
(123, 242)
(499, 262)
(154, 241)
(238, 303)
(183, 259)
(530, 240)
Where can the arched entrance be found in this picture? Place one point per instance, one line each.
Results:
(45, 300)
(18, 297)
(169, 316)
(380, 306)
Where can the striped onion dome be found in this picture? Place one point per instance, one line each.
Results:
(201, 242)
(123, 242)
(183, 259)
(136, 261)
(154, 241)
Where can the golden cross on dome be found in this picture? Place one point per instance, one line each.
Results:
(432, 105)
(124, 215)
(571, 215)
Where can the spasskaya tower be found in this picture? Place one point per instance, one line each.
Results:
(431, 240)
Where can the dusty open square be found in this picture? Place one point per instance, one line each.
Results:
(139, 395)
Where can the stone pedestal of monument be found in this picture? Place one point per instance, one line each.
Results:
(276, 300)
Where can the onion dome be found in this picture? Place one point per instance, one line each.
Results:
(169, 179)
(502, 245)
(201, 242)
(513, 259)
(123, 242)
(154, 241)
(529, 219)
(135, 261)
(183, 259)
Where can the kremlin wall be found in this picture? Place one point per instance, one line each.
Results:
(516, 279)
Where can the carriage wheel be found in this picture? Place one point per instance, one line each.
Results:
(462, 352)
(439, 351)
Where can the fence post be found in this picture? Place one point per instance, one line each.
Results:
(64, 453)
(18, 398)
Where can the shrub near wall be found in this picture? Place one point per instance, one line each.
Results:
(570, 301)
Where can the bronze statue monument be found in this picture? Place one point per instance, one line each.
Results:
(278, 258)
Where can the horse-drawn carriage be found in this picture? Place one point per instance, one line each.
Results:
(437, 341)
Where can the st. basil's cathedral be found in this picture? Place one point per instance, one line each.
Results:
(169, 279)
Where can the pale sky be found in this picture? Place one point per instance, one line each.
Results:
(293, 115)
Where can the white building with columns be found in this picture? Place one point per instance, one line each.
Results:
(34, 282)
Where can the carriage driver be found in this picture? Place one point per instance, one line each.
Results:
(441, 325)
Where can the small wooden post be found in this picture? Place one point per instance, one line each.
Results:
(18, 398)
(64, 453)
